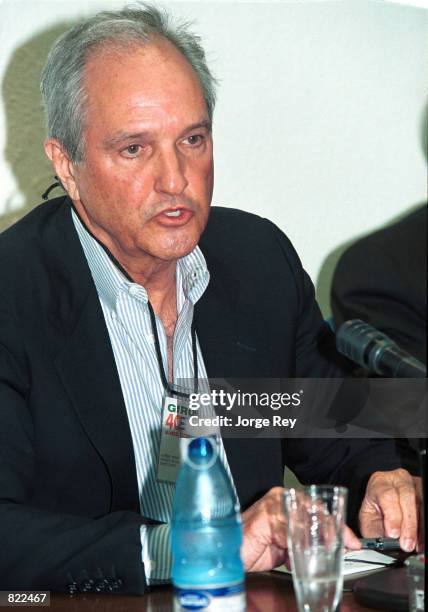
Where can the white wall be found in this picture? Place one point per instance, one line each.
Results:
(319, 120)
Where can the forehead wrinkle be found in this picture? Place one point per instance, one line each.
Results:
(145, 108)
(155, 52)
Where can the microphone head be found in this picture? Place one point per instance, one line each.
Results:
(355, 339)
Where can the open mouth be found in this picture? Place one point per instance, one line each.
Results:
(174, 217)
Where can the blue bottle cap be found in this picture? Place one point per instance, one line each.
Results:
(201, 452)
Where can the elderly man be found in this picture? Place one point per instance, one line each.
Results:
(106, 298)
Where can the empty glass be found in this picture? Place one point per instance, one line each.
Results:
(315, 526)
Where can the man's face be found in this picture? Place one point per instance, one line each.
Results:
(144, 187)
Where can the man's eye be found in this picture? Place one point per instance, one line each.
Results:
(194, 140)
(131, 150)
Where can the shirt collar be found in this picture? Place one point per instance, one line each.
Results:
(192, 274)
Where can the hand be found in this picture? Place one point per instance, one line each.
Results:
(391, 507)
(265, 538)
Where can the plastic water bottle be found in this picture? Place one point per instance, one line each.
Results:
(206, 534)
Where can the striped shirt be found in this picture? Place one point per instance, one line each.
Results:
(125, 308)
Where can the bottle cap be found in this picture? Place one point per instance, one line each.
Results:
(201, 453)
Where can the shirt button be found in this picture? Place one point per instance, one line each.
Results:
(113, 315)
(134, 290)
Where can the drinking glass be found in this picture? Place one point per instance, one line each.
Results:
(315, 526)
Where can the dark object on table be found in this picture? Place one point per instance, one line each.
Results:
(384, 591)
(381, 544)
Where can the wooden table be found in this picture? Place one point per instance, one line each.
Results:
(267, 592)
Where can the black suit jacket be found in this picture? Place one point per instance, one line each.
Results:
(381, 279)
(69, 507)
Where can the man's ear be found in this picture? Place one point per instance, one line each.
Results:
(64, 168)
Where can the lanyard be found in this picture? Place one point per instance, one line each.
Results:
(164, 379)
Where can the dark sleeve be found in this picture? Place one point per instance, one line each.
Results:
(342, 461)
(40, 549)
(369, 284)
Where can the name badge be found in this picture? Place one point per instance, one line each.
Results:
(174, 428)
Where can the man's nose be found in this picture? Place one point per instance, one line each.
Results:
(170, 176)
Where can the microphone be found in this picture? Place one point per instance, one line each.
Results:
(372, 349)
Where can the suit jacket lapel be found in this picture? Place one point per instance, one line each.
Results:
(87, 368)
(229, 343)
(233, 348)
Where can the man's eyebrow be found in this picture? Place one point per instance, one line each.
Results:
(145, 135)
(122, 136)
(205, 124)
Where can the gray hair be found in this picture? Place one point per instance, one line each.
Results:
(62, 87)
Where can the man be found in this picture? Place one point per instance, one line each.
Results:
(381, 279)
(106, 297)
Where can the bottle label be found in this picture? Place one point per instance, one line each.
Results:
(213, 599)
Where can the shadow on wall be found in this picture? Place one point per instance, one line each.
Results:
(25, 129)
(325, 276)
